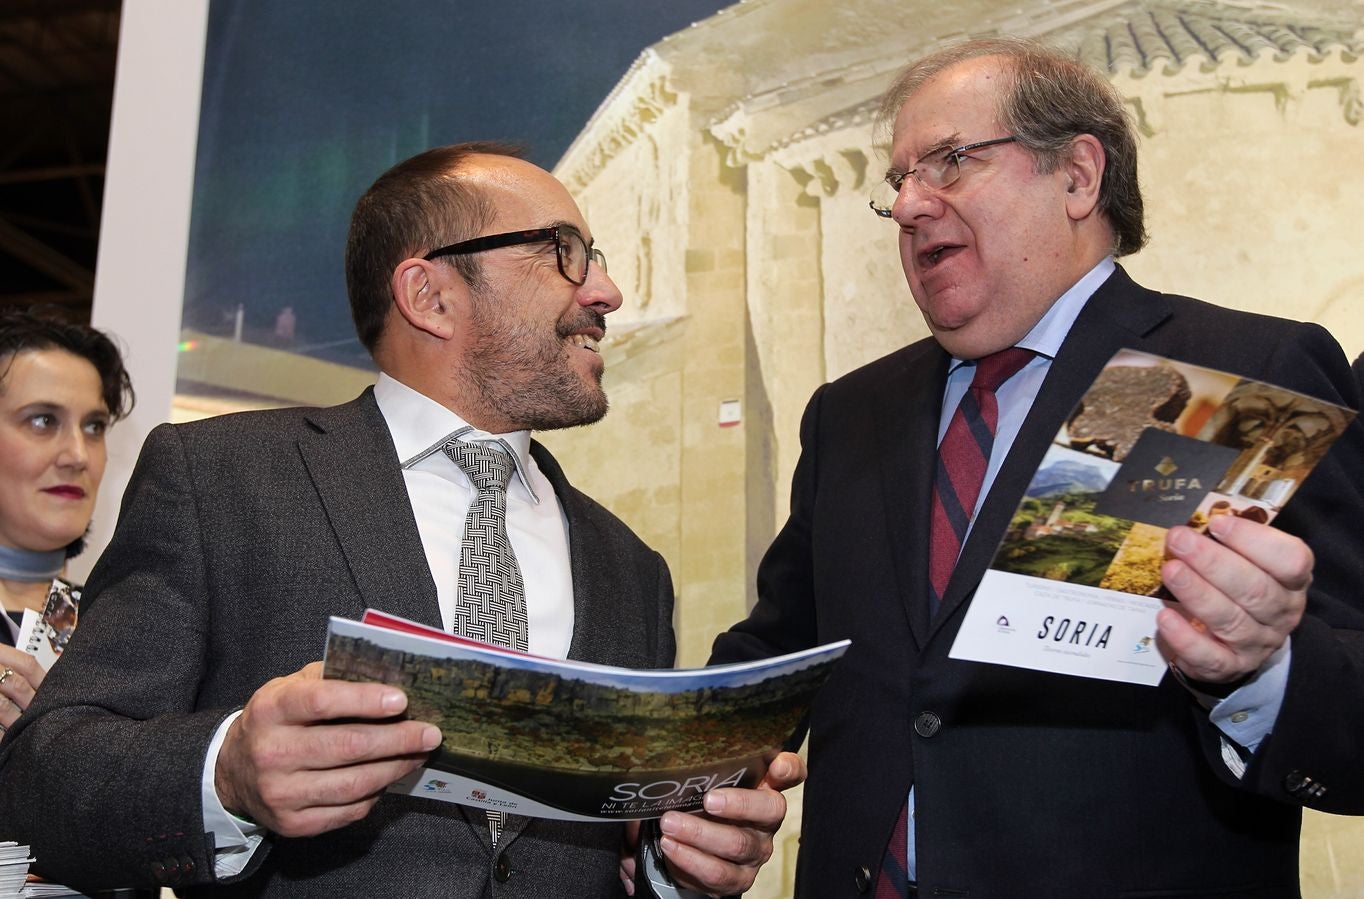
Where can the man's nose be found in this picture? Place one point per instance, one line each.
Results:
(914, 200)
(599, 292)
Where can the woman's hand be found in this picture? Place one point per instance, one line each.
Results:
(20, 676)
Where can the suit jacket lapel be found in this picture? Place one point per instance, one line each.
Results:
(907, 409)
(354, 467)
(594, 638)
(1119, 315)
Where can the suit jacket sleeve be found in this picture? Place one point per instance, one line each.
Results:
(783, 620)
(1316, 738)
(137, 815)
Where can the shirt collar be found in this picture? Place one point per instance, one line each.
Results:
(1050, 332)
(420, 426)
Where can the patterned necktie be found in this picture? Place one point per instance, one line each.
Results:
(962, 460)
(492, 597)
(491, 605)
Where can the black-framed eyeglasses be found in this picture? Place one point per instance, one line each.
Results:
(574, 252)
(934, 172)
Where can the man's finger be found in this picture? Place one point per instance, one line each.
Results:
(1215, 570)
(334, 787)
(300, 700)
(786, 771)
(325, 747)
(700, 870)
(1282, 556)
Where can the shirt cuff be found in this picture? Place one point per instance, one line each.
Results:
(235, 839)
(1248, 715)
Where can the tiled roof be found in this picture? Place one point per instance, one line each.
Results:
(1171, 37)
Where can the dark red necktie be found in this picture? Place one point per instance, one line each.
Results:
(962, 459)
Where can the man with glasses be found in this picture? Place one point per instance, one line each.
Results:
(1013, 183)
(187, 738)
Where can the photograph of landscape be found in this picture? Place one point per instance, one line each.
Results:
(569, 738)
(1055, 533)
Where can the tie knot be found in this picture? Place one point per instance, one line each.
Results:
(487, 468)
(996, 368)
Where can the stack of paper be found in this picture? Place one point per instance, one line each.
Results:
(44, 890)
(14, 862)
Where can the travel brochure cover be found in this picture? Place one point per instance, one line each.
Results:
(561, 739)
(1154, 443)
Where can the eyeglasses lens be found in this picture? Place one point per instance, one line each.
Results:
(573, 256)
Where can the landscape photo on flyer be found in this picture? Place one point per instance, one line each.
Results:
(538, 735)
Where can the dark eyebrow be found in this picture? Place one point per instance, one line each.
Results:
(40, 406)
(941, 146)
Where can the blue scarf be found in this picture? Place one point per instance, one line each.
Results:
(28, 566)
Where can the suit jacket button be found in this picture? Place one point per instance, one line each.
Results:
(1302, 787)
(502, 869)
(862, 878)
(927, 724)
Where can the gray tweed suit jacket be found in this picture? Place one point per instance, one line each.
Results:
(238, 537)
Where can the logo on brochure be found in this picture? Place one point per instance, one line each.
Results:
(478, 794)
(1163, 478)
(436, 786)
(1002, 625)
(1143, 645)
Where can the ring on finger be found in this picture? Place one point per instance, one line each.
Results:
(5, 675)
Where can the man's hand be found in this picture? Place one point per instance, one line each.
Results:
(309, 755)
(1240, 591)
(20, 676)
(720, 851)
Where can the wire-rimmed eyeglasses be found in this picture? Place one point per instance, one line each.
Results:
(935, 171)
(574, 252)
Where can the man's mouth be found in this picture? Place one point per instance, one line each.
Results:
(584, 341)
(933, 255)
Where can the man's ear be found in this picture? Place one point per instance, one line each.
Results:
(425, 296)
(1084, 171)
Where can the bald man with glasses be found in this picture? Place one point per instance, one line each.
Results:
(187, 738)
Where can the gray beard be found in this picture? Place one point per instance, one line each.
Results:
(525, 375)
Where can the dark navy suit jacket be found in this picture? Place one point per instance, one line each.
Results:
(1033, 784)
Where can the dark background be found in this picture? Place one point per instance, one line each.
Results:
(303, 109)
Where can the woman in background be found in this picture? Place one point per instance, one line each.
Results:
(61, 386)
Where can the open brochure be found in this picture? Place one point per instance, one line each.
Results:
(1075, 585)
(561, 739)
(43, 635)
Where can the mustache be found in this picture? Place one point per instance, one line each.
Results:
(584, 320)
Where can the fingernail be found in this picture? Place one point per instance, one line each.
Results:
(668, 844)
(714, 802)
(781, 768)
(1181, 540)
(1220, 526)
(393, 701)
(430, 737)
